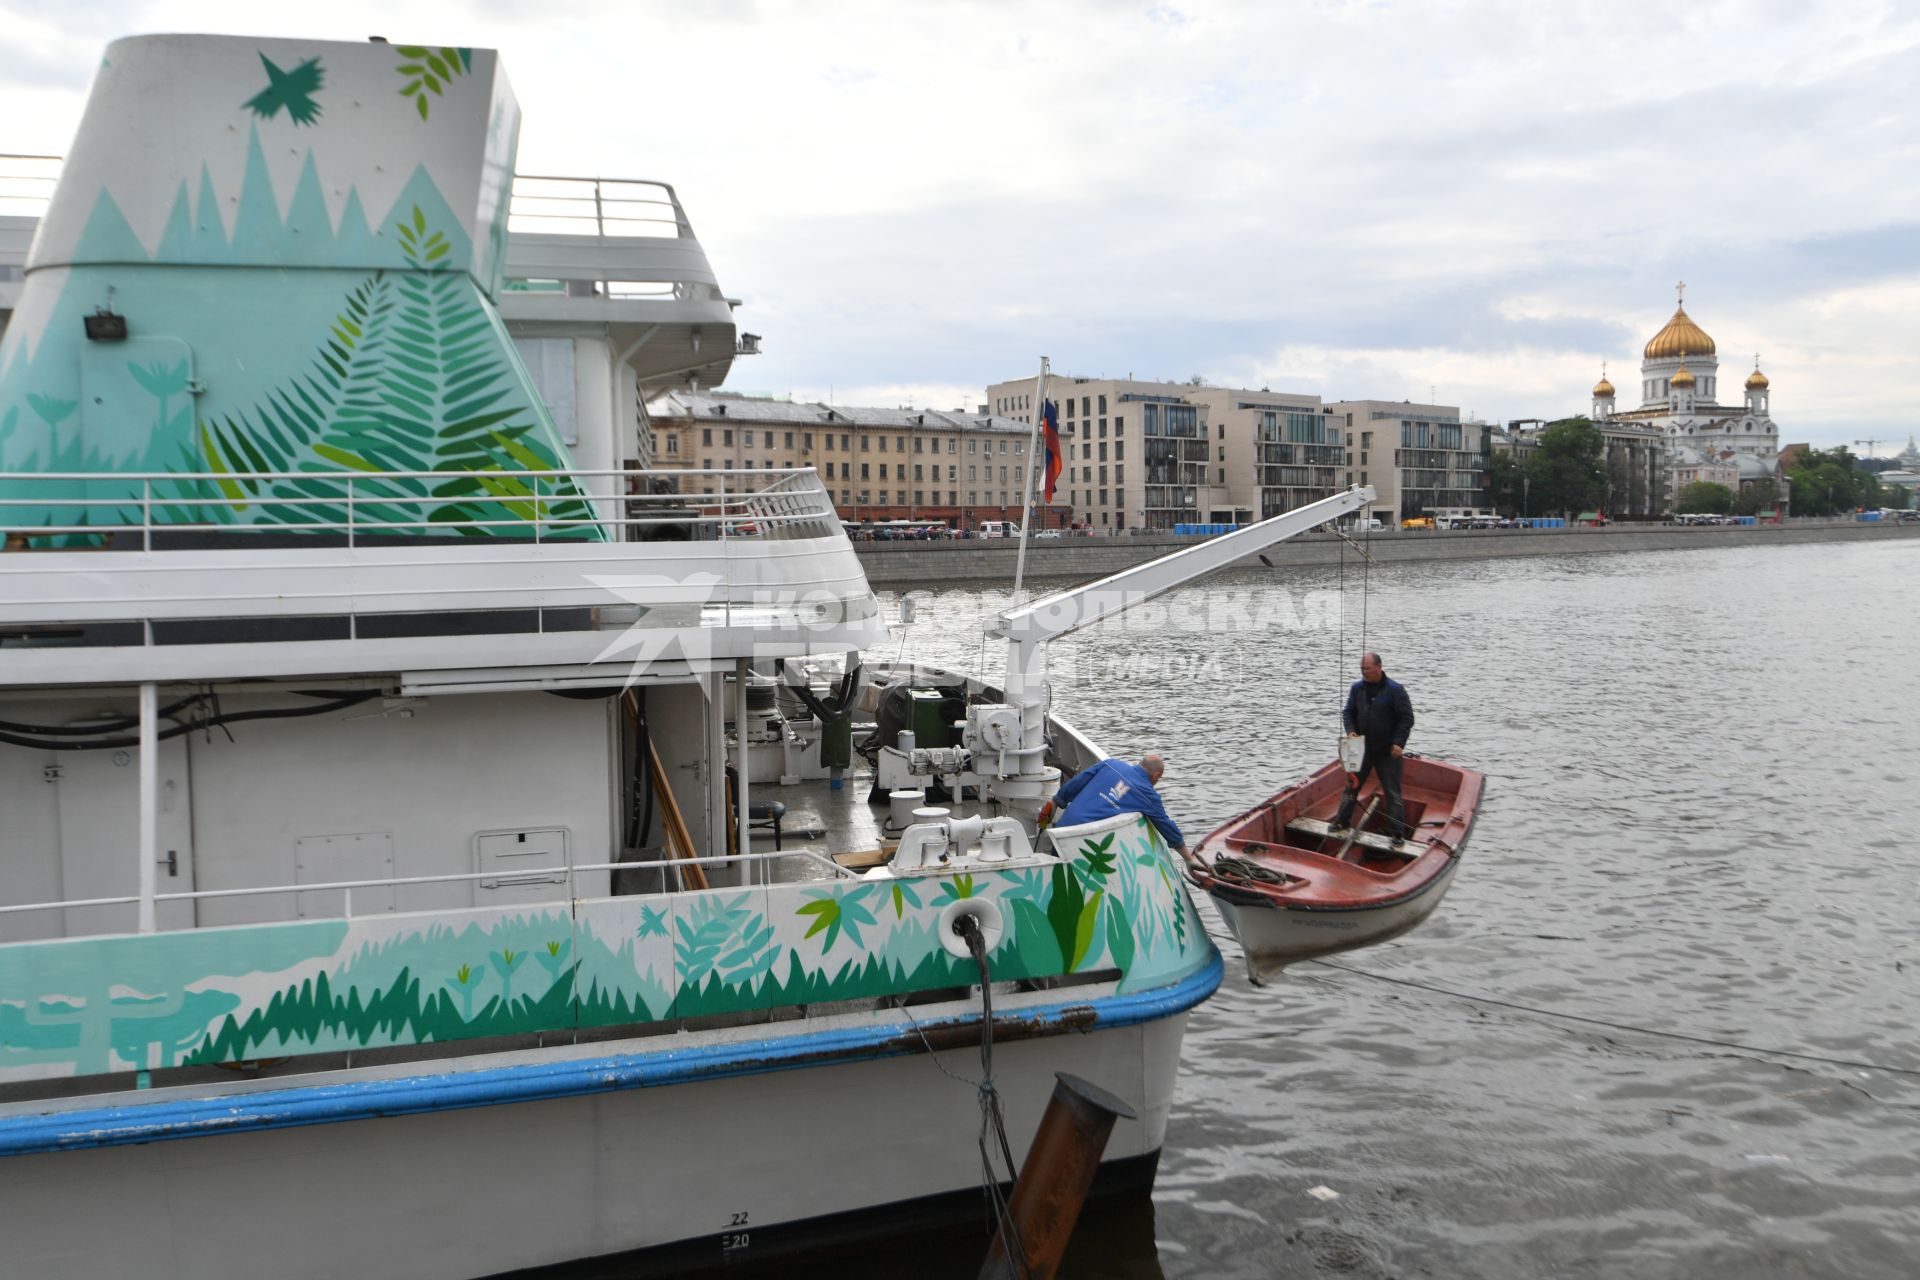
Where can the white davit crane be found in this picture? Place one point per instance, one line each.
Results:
(1006, 742)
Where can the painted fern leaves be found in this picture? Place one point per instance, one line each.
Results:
(413, 376)
(428, 71)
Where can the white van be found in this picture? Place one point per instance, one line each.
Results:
(999, 528)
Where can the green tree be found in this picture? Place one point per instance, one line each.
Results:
(1761, 495)
(1704, 496)
(1567, 469)
(1828, 482)
(1503, 482)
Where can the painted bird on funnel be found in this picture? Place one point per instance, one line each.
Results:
(293, 90)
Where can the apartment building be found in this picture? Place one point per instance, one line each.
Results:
(877, 464)
(1151, 455)
(1419, 458)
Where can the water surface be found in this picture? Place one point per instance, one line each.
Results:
(1699, 818)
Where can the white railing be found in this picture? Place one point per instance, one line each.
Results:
(566, 874)
(557, 205)
(26, 184)
(547, 204)
(536, 506)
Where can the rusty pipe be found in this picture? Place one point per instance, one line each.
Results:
(1053, 1185)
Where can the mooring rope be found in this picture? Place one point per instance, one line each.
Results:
(991, 1117)
(1623, 1027)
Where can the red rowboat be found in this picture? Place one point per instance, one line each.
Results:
(1291, 887)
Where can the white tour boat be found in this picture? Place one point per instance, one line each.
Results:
(434, 841)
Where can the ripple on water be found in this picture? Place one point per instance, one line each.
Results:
(1701, 772)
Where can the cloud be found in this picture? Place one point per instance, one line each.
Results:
(916, 201)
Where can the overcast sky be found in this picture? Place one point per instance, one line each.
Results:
(1350, 200)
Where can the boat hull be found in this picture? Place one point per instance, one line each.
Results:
(710, 1172)
(1291, 886)
(1274, 935)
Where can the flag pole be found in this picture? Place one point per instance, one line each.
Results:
(1026, 496)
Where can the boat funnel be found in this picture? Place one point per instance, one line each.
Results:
(267, 257)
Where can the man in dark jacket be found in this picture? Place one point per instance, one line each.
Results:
(1379, 710)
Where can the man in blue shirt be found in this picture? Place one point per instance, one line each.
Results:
(1114, 786)
(1379, 710)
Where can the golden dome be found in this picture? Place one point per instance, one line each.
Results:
(1682, 337)
(1603, 390)
(1683, 377)
(1756, 381)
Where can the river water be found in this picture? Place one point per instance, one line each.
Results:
(1699, 819)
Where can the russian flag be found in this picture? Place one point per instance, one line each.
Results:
(1050, 434)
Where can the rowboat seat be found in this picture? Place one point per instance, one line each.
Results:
(1365, 839)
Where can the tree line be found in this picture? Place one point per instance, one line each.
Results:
(1565, 473)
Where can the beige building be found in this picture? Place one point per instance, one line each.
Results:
(1419, 458)
(1152, 455)
(877, 464)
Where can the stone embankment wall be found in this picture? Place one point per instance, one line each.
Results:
(921, 564)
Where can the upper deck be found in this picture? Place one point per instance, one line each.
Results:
(561, 577)
(619, 254)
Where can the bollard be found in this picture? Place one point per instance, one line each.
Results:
(1058, 1173)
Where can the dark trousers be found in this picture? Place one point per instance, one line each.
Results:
(1387, 767)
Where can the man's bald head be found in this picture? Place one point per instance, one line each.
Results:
(1154, 764)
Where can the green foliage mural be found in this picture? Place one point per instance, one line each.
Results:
(407, 368)
(723, 940)
(292, 90)
(412, 376)
(226, 995)
(838, 912)
(427, 71)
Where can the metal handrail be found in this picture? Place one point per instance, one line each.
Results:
(520, 875)
(788, 499)
(597, 196)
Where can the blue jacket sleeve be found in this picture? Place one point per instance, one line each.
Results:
(1155, 810)
(1402, 715)
(1346, 713)
(1074, 786)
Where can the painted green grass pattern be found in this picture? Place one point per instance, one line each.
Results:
(1110, 904)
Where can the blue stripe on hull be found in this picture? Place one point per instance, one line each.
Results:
(368, 1099)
